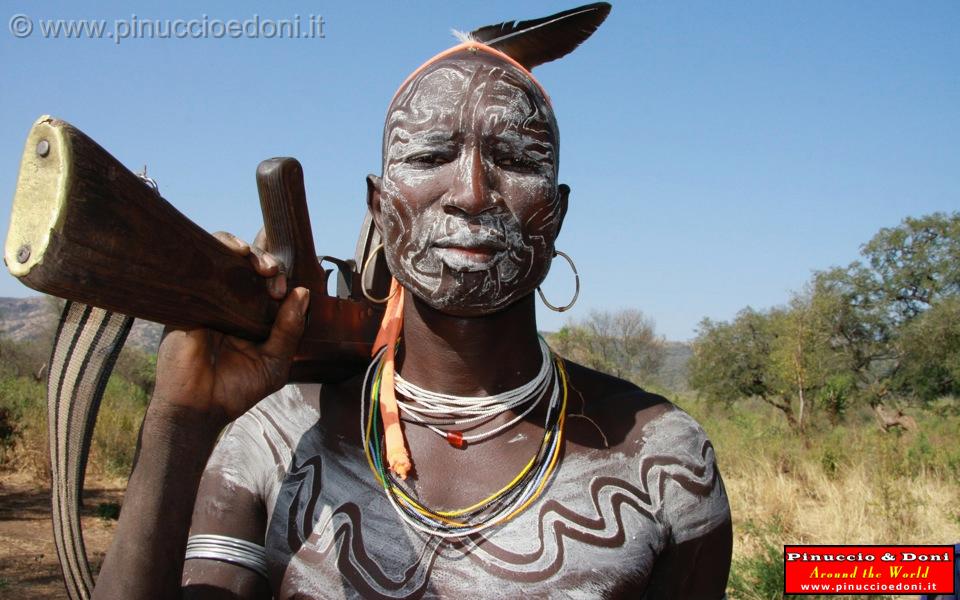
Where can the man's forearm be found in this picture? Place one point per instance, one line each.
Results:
(145, 559)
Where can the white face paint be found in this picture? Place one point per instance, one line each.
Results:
(469, 201)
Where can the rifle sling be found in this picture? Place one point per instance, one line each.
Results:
(84, 352)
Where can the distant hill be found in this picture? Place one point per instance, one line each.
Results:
(35, 319)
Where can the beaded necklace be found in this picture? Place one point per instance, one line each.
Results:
(500, 507)
(431, 409)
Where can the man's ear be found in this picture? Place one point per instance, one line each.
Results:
(373, 199)
(563, 197)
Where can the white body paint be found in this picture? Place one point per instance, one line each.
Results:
(344, 520)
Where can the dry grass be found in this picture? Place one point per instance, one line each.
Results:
(858, 504)
(845, 484)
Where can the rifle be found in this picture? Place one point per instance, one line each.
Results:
(87, 229)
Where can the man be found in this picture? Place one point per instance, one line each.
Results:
(580, 485)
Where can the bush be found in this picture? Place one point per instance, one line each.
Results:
(118, 426)
(759, 576)
(8, 432)
(834, 397)
(137, 367)
(24, 359)
(23, 420)
(23, 401)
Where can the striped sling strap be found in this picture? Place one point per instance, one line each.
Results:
(86, 347)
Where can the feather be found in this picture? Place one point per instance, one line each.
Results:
(538, 41)
(460, 35)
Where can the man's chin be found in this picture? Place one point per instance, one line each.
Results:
(466, 301)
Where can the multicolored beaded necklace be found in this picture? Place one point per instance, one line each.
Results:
(500, 507)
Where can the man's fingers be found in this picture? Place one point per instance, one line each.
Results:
(269, 266)
(265, 263)
(260, 240)
(235, 244)
(277, 286)
(288, 328)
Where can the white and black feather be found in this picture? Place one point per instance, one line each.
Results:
(537, 41)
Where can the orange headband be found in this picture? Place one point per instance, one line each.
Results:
(472, 46)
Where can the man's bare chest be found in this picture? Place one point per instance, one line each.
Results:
(333, 534)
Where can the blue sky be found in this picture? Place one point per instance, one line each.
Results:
(718, 152)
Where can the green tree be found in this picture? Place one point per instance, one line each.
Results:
(800, 361)
(137, 367)
(784, 356)
(917, 262)
(889, 324)
(862, 329)
(732, 360)
(907, 269)
(929, 348)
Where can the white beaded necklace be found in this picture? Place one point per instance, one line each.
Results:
(434, 408)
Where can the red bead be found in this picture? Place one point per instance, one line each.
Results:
(455, 438)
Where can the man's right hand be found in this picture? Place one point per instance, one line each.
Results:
(204, 380)
(223, 376)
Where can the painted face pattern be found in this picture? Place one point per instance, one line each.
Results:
(601, 529)
(469, 200)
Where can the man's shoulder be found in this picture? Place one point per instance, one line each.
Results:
(663, 448)
(258, 443)
(627, 415)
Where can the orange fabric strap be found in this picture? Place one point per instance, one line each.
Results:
(397, 456)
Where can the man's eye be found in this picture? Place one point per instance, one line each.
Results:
(428, 159)
(517, 163)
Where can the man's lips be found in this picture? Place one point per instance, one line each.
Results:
(476, 255)
(472, 243)
(473, 253)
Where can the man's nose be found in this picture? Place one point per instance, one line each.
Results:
(471, 193)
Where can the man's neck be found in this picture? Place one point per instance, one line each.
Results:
(469, 356)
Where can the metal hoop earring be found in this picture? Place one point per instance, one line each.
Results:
(363, 288)
(576, 294)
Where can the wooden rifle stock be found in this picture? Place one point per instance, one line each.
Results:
(87, 229)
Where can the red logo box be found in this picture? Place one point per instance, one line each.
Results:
(870, 570)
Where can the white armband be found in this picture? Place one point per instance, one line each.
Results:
(230, 550)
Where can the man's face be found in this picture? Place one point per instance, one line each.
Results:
(469, 204)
